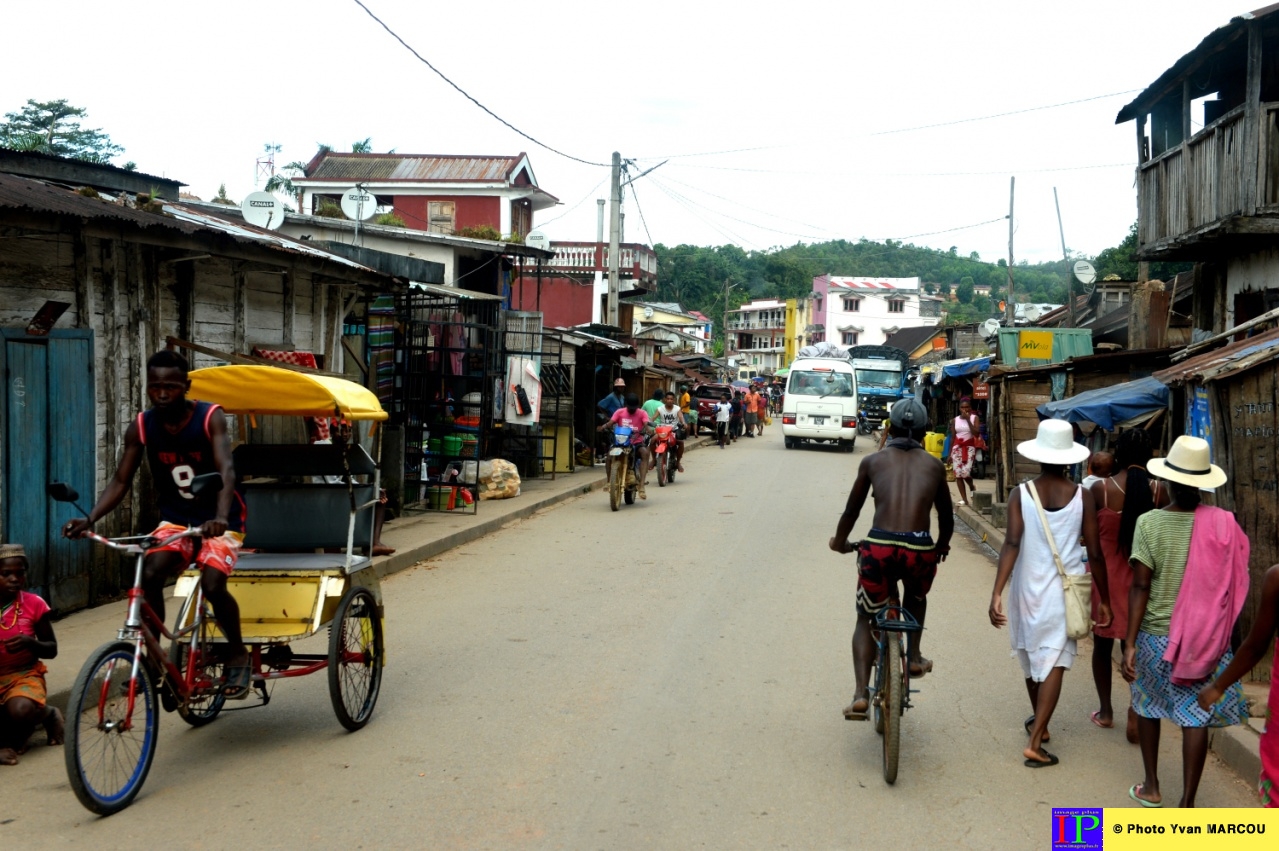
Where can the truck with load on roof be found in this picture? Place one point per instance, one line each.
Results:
(882, 379)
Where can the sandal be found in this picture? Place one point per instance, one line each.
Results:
(236, 682)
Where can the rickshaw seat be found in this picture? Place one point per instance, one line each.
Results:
(300, 459)
(299, 561)
(285, 517)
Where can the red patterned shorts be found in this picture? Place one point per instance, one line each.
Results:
(28, 684)
(219, 554)
(886, 558)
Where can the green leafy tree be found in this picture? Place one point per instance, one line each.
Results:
(53, 127)
(364, 146)
(221, 197)
(964, 292)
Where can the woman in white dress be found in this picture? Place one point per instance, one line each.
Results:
(1036, 615)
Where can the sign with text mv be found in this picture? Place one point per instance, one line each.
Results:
(1035, 345)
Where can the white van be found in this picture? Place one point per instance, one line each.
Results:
(820, 402)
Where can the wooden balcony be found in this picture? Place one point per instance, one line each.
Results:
(635, 261)
(1220, 183)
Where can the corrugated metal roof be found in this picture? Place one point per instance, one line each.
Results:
(412, 167)
(20, 193)
(1225, 361)
(875, 283)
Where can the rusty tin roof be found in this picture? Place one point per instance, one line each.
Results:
(1223, 362)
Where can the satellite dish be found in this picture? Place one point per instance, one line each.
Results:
(1085, 274)
(648, 313)
(990, 328)
(537, 239)
(263, 210)
(1032, 312)
(358, 204)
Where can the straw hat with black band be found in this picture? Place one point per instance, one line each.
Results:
(1188, 464)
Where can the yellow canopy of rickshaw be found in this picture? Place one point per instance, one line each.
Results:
(253, 389)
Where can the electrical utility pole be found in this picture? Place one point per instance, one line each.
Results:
(1010, 317)
(614, 228)
(1070, 276)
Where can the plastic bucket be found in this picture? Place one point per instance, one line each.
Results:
(433, 446)
(441, 497)
(452, 446)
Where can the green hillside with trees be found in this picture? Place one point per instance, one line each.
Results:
(695, 276)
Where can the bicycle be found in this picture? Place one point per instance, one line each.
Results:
(890, 692)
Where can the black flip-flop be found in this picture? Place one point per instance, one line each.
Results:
(1034, 763)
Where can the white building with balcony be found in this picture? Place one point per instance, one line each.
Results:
(755, 338)
(860, 311)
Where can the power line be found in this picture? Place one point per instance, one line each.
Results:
(734, 218)
(948, 230)
(575, 206)
(733, 239)
(999, 114)
(640, 210)
(748, 207)
(463, 92)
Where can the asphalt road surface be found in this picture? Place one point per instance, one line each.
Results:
(667, 676)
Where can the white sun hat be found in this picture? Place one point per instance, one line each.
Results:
(1188, 464)
(1054, 443)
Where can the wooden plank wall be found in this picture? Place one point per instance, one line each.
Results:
(1246, 445)
(132, 296)
(1018, 396)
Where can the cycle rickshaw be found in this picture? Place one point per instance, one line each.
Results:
(301, 571)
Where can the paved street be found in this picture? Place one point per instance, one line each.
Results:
(669, 676)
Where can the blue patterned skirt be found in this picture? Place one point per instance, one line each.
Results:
(1155, 695)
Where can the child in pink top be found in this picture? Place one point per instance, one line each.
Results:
(26, 637)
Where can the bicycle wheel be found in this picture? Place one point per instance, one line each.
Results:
(206, 698)
(892, 706)
(661, 469)
(876, 705)
(355, 658)
(108, 749)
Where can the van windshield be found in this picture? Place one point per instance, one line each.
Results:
(810, 383)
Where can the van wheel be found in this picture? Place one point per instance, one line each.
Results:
(790, 443)
(846, 445)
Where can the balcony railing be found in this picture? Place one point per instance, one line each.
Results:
(634, 260)
(1203, 180)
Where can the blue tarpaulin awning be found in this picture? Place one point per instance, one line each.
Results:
(968, 367)
(1109, 406)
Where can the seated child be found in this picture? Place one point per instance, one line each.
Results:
(26, 637)
(1101, 465)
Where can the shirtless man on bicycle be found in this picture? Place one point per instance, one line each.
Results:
(907, 483)
(182, 439)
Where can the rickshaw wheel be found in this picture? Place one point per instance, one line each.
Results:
(108, 751)
(356, 656)
(205, 704)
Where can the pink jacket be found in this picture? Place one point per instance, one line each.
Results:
(1212, 594)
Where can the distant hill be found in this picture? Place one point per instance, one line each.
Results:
(695, 275)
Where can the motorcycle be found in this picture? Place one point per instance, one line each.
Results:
(863, 423)
(624, 473)
(665, 444)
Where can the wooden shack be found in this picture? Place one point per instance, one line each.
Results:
(1228, 397)
(1016, 393)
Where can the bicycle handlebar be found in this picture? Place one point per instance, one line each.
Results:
(146, 542)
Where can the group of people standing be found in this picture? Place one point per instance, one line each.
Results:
(1169, 579)
(739, 413)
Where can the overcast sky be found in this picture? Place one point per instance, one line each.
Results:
(806, 96)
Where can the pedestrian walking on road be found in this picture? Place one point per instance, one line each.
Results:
(735, 416)
(966, 439)
(1189, 583)
(1121, 499)
(687, 409)
(1036, 615)
(907, 484)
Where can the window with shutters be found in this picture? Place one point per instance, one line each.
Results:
(852, 305)
(896, 305)
(850, 338)
(442, 216)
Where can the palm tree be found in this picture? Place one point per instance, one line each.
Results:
(282, 181)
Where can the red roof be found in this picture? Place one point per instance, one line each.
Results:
(417, 168)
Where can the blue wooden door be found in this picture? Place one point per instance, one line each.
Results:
(49, 435)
